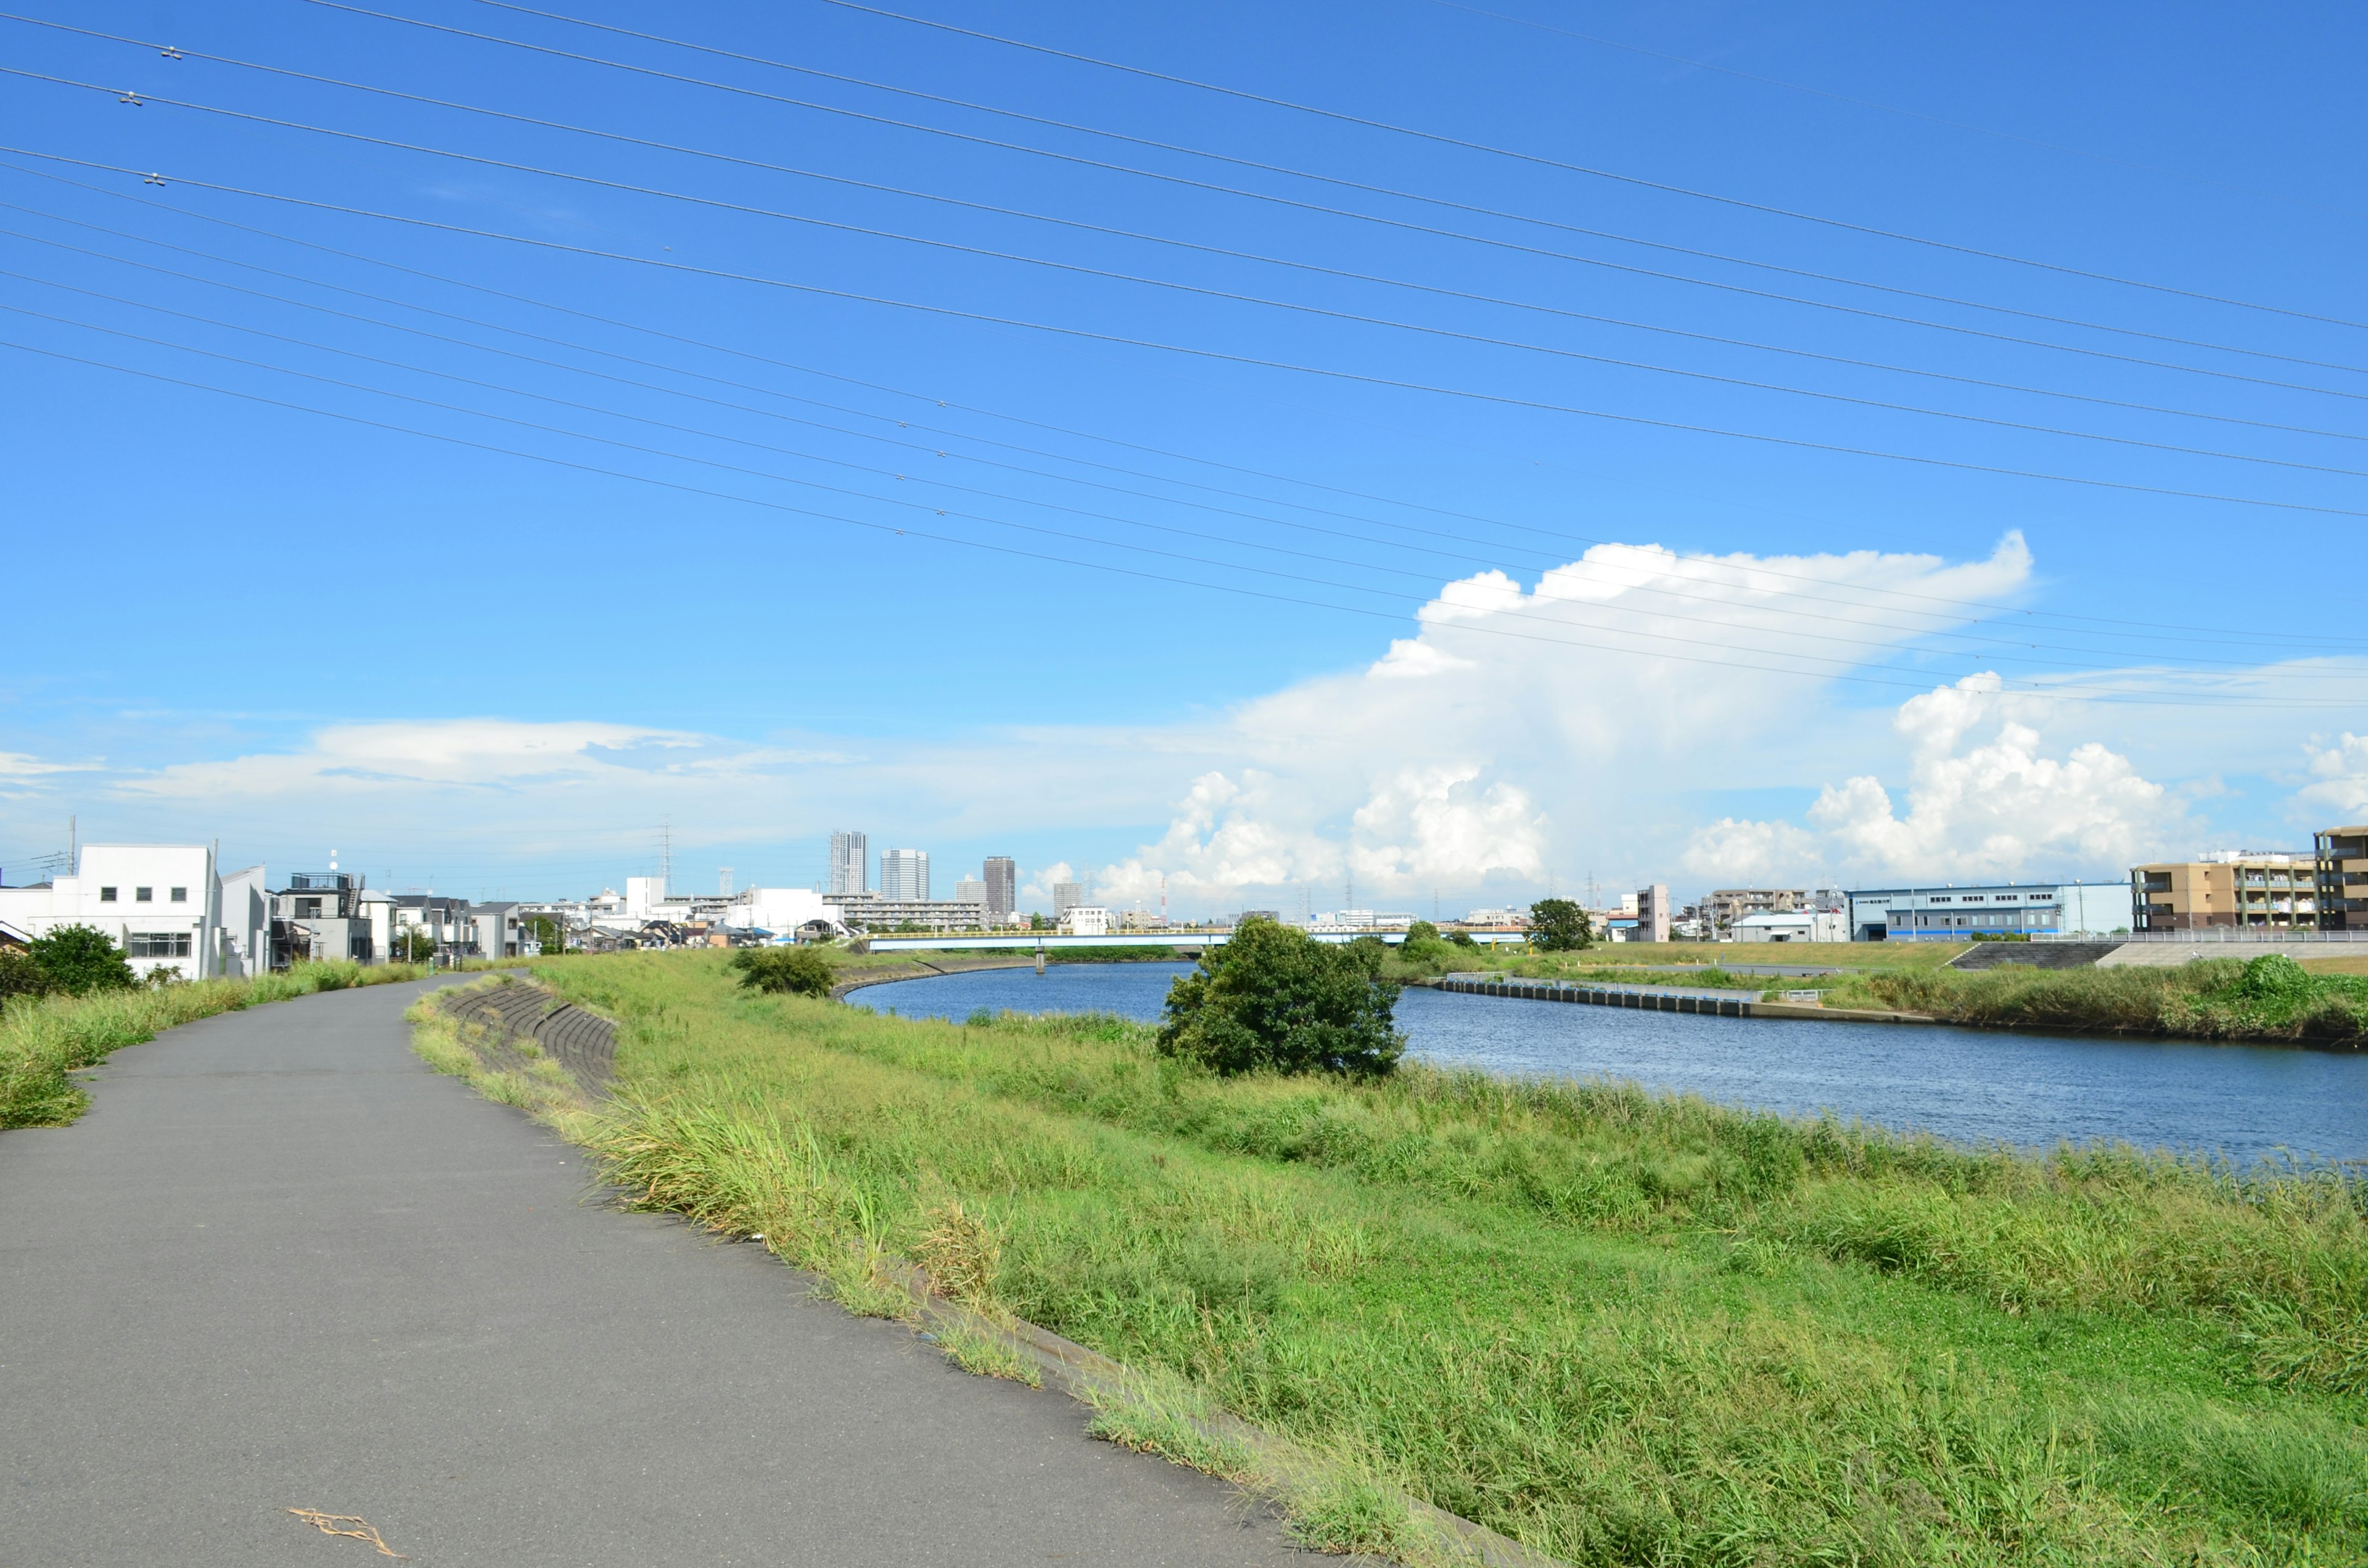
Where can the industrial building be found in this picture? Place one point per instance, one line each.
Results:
(1948, 912)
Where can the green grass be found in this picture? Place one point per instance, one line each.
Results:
(44, 1039)
(2224, 999)
(1623, 1328)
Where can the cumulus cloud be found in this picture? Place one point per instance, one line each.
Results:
(1977, 807)
(2339, 775)
(1520, 724)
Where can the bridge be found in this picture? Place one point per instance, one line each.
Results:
(1186, 943)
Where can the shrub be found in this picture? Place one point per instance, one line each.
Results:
(78, 960)
(19, 975)
(799, 971)
(1275, 998)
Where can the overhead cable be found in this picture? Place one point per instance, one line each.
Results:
(2187, 632)
(1082, 333)
(1334, 272)
(1540, 161)
(1442, 202)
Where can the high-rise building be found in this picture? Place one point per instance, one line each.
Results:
(851, 857)
(904, 873)
(970, 890)
(1067, 896)
(1002, 887)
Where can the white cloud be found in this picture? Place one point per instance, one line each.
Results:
(1996, 807)
(1597, 721)
(2338, 779)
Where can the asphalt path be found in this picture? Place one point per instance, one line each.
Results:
(280, 1265)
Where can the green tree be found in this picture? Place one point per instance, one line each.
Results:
(413, 945)
(549, 933)
(1558, 926)
(1272, 997)
(77, 959)
(19, 975)
(798, 972)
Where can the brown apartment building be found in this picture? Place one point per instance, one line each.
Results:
(2235, 886)
(2344, 878)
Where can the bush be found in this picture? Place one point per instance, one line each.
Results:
(19, 975)
(78, 960)
(798, 972)
(1275, 998)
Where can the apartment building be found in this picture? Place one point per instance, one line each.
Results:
(2256, 888)
(2340, 874)
(905, 874)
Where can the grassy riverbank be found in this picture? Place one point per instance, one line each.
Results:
(1623, 1328)
(43, 1039)
(2271, 999)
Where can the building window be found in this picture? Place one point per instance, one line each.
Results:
(180, 895)
(143, 895)
(157, 945)
(308, 909)
(107, 895)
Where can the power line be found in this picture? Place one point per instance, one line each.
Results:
(1351, 317)
(836, 490)
(1499, 399)
(2187, 632)
(1428, 578)
(1463, 295)
(1542, 162)
(1887, 108)
(1378, 191)
(2140, 697)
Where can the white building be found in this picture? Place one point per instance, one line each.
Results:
(778, 910)
(904, 875)
(1792, 925)
(1651, 907)
(163, 904)
(1085, 920)
(850, 862)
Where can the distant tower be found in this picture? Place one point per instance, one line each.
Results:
(851, 861)
(666, 855)
(904, 873)
(1002, 878)
(723, 881)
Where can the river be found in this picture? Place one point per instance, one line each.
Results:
(2249, 1103)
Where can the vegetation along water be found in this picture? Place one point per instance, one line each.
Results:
(1624, 1327)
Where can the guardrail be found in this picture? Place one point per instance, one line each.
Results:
(2234, 935)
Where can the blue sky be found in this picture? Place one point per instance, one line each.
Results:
(459, 665)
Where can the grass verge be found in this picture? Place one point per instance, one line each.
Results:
(44, 1039)
(1619, 1328)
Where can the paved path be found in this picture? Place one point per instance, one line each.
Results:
(280, 1265)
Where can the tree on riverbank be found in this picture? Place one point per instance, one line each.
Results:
(1558, 926)
(1273, 997)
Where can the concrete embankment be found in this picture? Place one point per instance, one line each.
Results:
(1725, 1004)
(921, 969)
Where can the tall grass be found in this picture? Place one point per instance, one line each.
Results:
(43, 1039)
(1622, 1327)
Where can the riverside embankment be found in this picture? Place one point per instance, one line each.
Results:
(2029, 1087)
(1619, 1326)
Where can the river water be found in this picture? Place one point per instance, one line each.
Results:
(2248, 1103)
